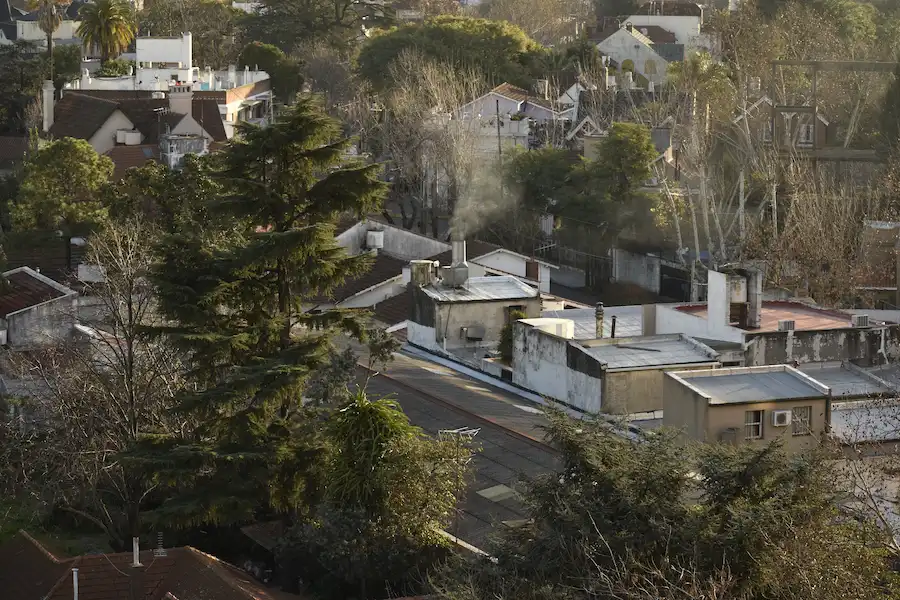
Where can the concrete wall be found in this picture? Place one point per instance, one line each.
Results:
(399, 242)
(514, 264)
(638, 269)
(554, 367)
(167, 50)
(684, 409)
(626, 392)
(723, 416)
(371, 297)
(422, 336)
(47, 323)
(861, 346)
(105, 138)
(670, 320)
(717, 300)
(31, 31)
(451, 318)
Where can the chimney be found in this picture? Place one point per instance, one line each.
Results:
(598, 315)
(75, 583)
(246, 75)
(459, 268)
(187, 51)
(612, 328)
(181, 97)
(48, 92)
(754, 298)
(136, 552)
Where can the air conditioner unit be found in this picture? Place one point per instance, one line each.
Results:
(786, 325)
(781, 418)
(859, 320)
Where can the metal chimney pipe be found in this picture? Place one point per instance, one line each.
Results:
(136, 552)
(612, 329)
(598, 314)
(75, 584)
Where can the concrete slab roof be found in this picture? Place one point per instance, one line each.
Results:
(805, 317)
(649, 351)
(751, 384)
(845, 381)
(629, 320)
(483, 289)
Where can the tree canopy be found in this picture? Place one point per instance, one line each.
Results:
(501, 52)
(283, 71)
(107, 25)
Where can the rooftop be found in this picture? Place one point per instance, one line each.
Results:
(845, 380)
(26, 288)
(629, 320)
(805, 317)
(650, 351)
(394, 310)
(126, 157)
(483, 289)
(750, 384)
(383, 268)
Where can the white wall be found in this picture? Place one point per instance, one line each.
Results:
(31, 31)
(422, 336)
(717, 300)
(639, 269)
(371, 297)
(105, 138)
(685, 28)
(622, 46)
(167, 50)
(540, 365)
(514, 264)
(670, 320)
(398, 242)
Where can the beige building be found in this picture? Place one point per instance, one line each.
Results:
(742, 405)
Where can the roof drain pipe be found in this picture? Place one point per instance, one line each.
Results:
(75, 584)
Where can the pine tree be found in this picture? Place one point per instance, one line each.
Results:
(236, 292)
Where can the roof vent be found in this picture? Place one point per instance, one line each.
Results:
(786, 325)
(375, 239)
(859, 321)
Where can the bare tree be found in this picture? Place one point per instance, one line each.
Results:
(84, 403)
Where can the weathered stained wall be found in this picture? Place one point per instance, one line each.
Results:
(626, 392)
(47, 323)
(684, 409)
(861, 346)
(723, 416)
(452, 317)
(554, 367)
(639, 269)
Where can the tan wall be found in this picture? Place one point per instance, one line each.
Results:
(627, 392)
(451, 318)
(722, 416)
(105, 137)
(683, 409)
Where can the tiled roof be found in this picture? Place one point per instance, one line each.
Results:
(206, 113)
(150, 116)
(507, 90)
(384, 267)
(80, 116)
(28, 572)
(474, 249)
(23, 289)
(394, 310)
(12, 148)
(657, 34)
(126, 157)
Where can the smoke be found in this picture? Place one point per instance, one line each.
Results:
(482, 200)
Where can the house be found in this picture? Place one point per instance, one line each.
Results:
(683, 20)
(792, 130)
(620, 375)
(453, 312)
(34, 309)
(29, 571)
(120, 120)
(17, 24)
(630, 48)
(166, 62)
(754, 405)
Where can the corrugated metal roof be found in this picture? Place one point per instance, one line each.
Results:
(480, 289)
(638, 352)
(751, 387)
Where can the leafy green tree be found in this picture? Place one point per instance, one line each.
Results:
(50, 16)
(67, 65)
(236, 291)
(215, 28)
(661, 519)
(283, 70)
(496, 49)
(115, 68)
(21, 76)
(543, 178)
(62, 187)
(108, 25)
(388, 489)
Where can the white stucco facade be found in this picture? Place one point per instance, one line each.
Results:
(686, 28)
(622, 46)
(105, 137)
(30, 31)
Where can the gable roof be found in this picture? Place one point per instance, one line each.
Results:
(657, 34)
(517, 94)
(206, 112)
(394, 310)
(150, 116)
(383, 268)
(184, 573)
(126, 157)
(474, 249)
(80, 116)
(25, 288)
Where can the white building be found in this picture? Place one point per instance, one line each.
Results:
(629, 44)
(684, 19)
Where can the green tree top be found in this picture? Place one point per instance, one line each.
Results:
(61, 187)
(107, 25)
(283, 70)
(500, 51)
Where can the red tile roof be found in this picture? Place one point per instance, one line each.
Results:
(394, 310)
(31, 573)
(384, 267)
(508, 90)
(125, 157)
(80, 116)
(23, 289)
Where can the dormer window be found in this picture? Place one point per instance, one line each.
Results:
(805, 137)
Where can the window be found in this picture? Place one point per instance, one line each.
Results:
(650, 67)
(800, 420)
(753, 425)
(806, 135)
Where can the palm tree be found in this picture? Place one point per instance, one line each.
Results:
(50, 16)
(107, 25)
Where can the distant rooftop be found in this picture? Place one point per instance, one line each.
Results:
(750, 384)
(26, 288)
(651, 351)
(629, 320)
(845, 380)
(806, 318)
(483, 289)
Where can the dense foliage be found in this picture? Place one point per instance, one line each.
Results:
(107, 25)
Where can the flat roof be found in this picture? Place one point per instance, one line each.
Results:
(629, 320)
(650, 351)
(749, 384)
(844, 381)
(806, 318)
(483, 289)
